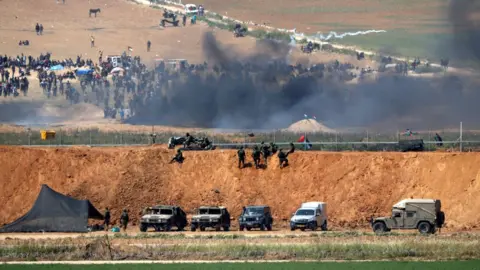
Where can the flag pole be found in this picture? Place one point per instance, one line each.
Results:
(305, 135)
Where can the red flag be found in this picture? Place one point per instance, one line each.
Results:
(302, 139)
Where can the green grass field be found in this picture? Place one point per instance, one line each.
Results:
(464, 265)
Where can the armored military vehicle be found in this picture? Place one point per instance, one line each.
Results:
(256, 217)
(163, 217)
(211, 217)
(422, 214)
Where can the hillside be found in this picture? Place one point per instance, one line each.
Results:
(356, 185)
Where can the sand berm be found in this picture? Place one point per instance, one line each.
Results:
(355, 185)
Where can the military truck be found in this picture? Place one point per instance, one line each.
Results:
(211, 217)
(422, 214)
(310, 215)
(256, 217)
(163, 217)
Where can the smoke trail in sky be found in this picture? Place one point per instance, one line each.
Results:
(336, 35)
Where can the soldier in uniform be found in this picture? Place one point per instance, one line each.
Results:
(292, 148)
(241, 158)
(282, 157)
(274, 148)
(256, 156)
(106, 219)
(178, 157)
(124, 220)
(265, 151)
(188, 139)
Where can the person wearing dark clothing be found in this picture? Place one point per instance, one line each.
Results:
(256, 156)
(41, 29)
(184, 20)
(282, 157)
(265, 151)
(124, 220)
(241, 157)
(274, 148)
(178, 157)
(149, 44)
(106, 219)
(438, 139)
(292, 148)
(37, 29)
(189, 139)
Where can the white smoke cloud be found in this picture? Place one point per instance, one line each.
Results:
(332, 34)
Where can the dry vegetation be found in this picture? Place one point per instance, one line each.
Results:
(323, 246)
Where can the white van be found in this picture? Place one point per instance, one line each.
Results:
(191, 9)
(310, 215)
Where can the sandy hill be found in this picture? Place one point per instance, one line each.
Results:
(356, 185)
(308, 125)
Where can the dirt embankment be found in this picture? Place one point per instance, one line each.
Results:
(356, 185)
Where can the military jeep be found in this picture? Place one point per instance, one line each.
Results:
(422, 214)
(211, 217)
(256, 217)
(163, 217)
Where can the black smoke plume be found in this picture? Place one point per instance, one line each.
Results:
(270, 97)
(464, 16)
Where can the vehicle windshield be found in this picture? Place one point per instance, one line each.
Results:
(209, 211)
(254, 211)
(159, 212)
(305, 212)
(166, 212)
(192, 8)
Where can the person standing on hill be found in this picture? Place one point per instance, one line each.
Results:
(41, 29)
(124, 220)
(256, 156)
(241, 158)
(92, 42)
(265, 151)
(37, 29)
(149, 44)
(282, 157)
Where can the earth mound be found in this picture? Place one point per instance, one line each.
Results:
(355, 185)
(309, 126)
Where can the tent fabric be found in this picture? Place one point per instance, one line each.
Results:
(57, 67)
(55, 212)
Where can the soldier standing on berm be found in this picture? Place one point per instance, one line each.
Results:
(241, 158)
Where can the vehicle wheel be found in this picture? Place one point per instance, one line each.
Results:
(379, 227)
(262, 227)
(193, 228)
(314, 226)
(302, 229)
(202, 229)
(249, 229)
(424, 227)
(324, 226)
(226, 228)
(143, 227)
(241, 228)
(269, 227)
(292, 229)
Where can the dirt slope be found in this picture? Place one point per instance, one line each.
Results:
(355, 185)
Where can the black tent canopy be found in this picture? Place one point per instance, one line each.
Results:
(55, 212)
